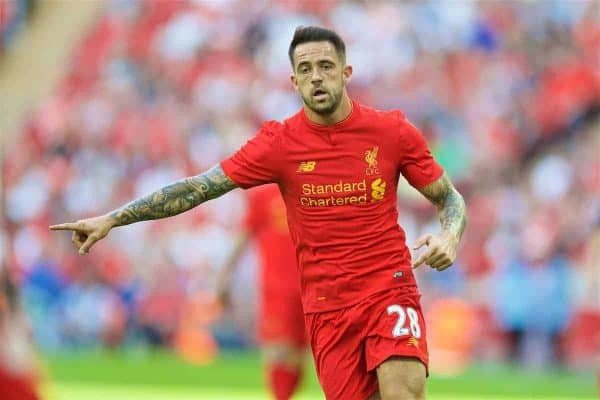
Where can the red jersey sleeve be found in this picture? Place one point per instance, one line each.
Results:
(417, 164)
(256, 162)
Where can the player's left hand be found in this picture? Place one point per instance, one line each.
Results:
(441, 251)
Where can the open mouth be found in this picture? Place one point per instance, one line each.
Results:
(320, 94)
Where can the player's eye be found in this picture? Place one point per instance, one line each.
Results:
(303, 70)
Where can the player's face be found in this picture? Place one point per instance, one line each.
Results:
(320, 76)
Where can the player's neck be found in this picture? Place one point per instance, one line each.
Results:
(340, 114)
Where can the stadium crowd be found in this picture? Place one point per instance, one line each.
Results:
(13, 16)
(506, 93)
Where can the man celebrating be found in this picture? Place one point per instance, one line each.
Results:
(337, 164)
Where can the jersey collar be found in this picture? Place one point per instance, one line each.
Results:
(338, 125)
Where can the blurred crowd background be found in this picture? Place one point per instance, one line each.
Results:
(13, 17)
(506, 93)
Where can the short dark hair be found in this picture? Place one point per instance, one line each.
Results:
(305, 34)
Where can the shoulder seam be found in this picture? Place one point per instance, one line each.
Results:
(277, 132)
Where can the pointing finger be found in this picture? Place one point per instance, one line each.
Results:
(425, 239)
(418, 263)
(424, 257)
(68, 226)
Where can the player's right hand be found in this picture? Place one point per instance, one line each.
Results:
(86, 232)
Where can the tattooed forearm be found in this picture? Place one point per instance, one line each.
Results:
(175, 198)
(450, 205)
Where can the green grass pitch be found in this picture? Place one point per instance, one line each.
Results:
(238, 376)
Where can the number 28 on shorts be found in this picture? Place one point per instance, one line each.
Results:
(400, 328)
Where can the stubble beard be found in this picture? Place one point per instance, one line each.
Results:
(325, 109)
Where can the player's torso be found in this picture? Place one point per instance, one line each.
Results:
(335, 172)
(339, 186)
(339, 175)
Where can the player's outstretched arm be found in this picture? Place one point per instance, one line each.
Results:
(168, 201)
(175, 198)
(441, 251)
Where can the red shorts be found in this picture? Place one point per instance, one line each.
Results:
(281, 319)
(350, 343)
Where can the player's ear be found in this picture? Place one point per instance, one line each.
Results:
(294, 81)
(347, 73)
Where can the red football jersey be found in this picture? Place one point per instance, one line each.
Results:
(339, 185)
(266, 221)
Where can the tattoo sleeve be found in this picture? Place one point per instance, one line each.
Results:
(175, 198)
(450, 205)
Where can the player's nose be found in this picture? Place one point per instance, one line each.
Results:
(316, 76)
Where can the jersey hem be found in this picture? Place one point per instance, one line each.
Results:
(313, 310)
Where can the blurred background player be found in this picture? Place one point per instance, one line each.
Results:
(19, 370)
(280, 318)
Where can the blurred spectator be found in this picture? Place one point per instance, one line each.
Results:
(159, 309)
(20, 372)
(533, 304)
(507, 94)
(91, 313)
(13, 15)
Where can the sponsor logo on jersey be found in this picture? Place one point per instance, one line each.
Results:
(339, 193)
(343, 192)
(371, 159)
(307, 166)
(413, 341)
(378, 189)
